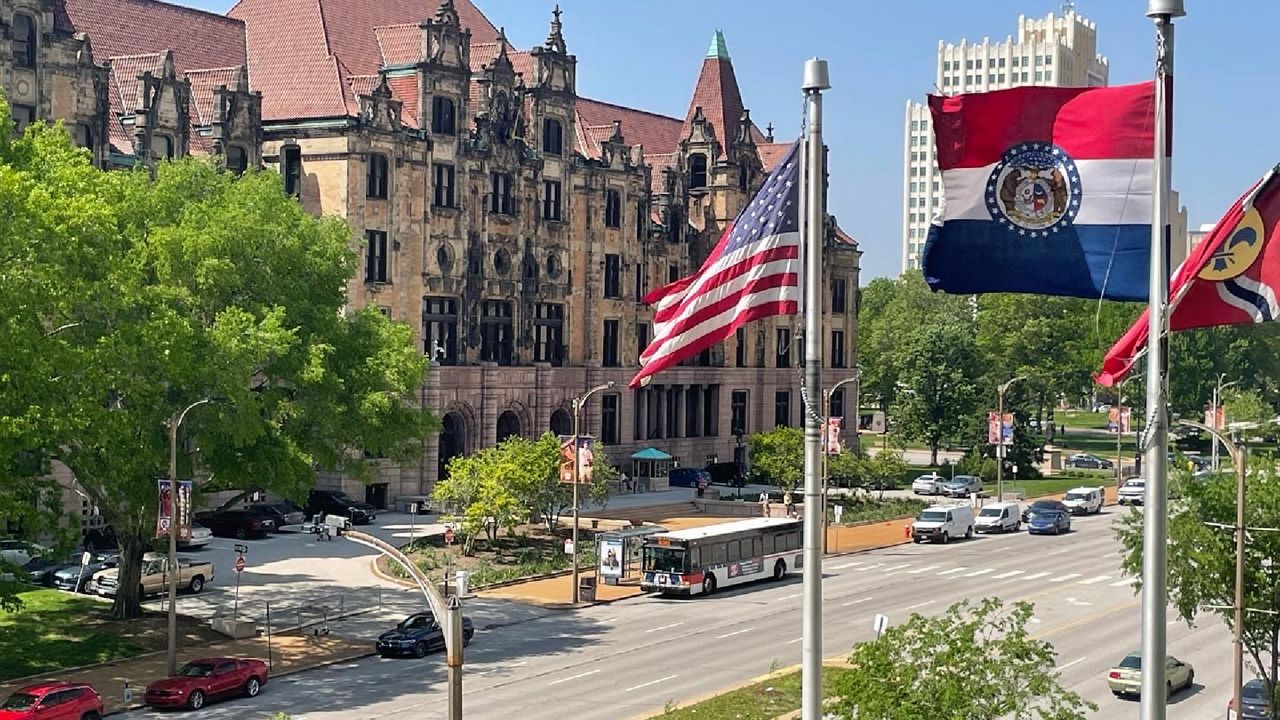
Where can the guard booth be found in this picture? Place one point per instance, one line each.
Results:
(648, 466)
(617, 551)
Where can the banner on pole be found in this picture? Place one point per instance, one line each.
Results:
(586, 459)
(831, 436)
(999, 430)
(1216, 418)
(1119, 419)
(165, 515)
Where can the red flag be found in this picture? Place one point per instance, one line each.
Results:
(1230, 278)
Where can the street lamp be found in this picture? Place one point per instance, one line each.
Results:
(174, 518)
(1217, 399)
(826, 438)
(578, 402)
(1000, 391)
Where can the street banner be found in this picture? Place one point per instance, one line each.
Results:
(1216, 418)
(999, 430)
(586, 459)
(165, 514)
(611, 558)
(1118, 419)
(831, 435)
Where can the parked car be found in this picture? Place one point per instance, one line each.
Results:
(1085, 461)
(1255, 702)
(283, 512)
(928, 484)
(1084, 500)
(727, 473)
(53, 701)
(1132, 492)
(239, 524)
(336, 502)
(1042, 506)
(200, 537)
(1126, 678)
(943, 523)
(20, 552)
(154, 579)
(76, 578)
(199, 681)
(1053, 522)
(962, 486)
(40, 569)
(687, 477)
(999, 517)
(418, 635)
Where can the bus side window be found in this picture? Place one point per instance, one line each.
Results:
(757, 547)
(694, 560)
(734, 551)
(768, 544)
(793, 540)
(717, 553)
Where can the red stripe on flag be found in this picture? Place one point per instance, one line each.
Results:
(718, 334)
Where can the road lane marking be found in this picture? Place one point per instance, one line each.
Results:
(735, 632)
(608, 621)
(793, 642)
(1037, 576)
(575, 677)
(848, 565)
(1009, 574)
(1064, 578)
(651, 682)
(664, 627)
(855, 602)
(788, 597)
(871, 567)
(1094, 580)
(896, 568)
(1073, 662)
(976, 573)
(1122, 583)
(926, 568)
(919, 605)
(952, 571)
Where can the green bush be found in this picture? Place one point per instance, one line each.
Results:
(858, 510)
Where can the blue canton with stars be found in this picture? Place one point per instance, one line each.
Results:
(1042, 158)
(775, 209)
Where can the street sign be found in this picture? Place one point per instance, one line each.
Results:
(448, 536)
(838, 510)
(240, 564)
(242, 548)
(413, 508)
(880, 624)
(568, 547)
(85, 557)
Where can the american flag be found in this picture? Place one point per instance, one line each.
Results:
(752, 273)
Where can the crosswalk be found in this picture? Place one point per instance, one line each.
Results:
(986, 573)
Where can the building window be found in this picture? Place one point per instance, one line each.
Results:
(783, 357)
(639, 282)
(24, 40)
(782, 408)
(548, 333)
(838, 298)
(23, 115)
(642, 339)
(500, 193)
(693, 411)
(1039, 76)
(740, 349)
(612, 276)
(443, 189)
(744, 178)
(1048, 59)
(551, 200)
(673, 273)
(85, 138)
(609, 357)
(837, 348)
(612, 208)
(440, 329)
(697, 171)
(377, 180)
(609, 432)
(443, 116)
(375, 256)
(496, 332)
(163, 147)
(836, 405)
(237, 160)
(552, 137)
(291, 162)
(640, 214)
(738, 412)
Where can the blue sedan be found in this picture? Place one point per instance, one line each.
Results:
(1046, 522)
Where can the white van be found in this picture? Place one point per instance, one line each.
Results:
(941, 523)
(1084, 500)
(999, 517)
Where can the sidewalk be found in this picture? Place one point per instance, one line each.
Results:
(290, 653)
(556, 592)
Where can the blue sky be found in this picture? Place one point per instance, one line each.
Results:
(647, 55)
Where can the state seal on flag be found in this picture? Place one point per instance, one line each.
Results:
(1034, 191)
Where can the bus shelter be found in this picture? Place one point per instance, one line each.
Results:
(616, 551)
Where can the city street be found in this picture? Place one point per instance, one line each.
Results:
(633, 657)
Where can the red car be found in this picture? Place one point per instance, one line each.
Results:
(199, 681)
(53, 701)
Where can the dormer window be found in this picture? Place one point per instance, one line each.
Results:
(552, 137)
(377, 180)
(25, 42)
(443, 116)
(697, 171)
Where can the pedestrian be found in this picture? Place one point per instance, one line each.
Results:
(764, 503)
(626, 481)
(702, 487)
(789, 503)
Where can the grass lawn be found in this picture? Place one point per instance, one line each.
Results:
(56, 630)
(1058, 483)
(762, 701)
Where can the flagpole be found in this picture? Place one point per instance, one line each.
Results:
(1155, 514)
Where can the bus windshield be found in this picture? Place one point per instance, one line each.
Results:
(665, 559)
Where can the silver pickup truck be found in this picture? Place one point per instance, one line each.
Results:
(192, 576)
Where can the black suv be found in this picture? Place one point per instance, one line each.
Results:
(336, 502)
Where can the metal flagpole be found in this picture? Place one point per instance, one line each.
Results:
(1155, 516)
(815, 81)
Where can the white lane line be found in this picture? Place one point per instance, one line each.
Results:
(896, 568)
(788, 597)
(793, 642)
(855, 602)
(919, 605)
(651, 682)
(1037, 576)
(976, 573)
(952, 571)
(1124, 582)
(1073, 662)
(664, 627)
(575, 677)
(1064, 578)
(608, 621)
(926, 568)
(848, 565)
(871, 567)
(735, 632)
(1009, 574)
(1094, 580)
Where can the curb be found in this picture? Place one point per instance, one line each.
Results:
(780, 672)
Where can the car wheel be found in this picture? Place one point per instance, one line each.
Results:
(1017, 527)
(466, 638)
(779, 570)
(420, 649)
(196, 585)
(968, 533)
(196, 700)
(945, 538)
(709, 584)
(253, 687)
(241, 534)
(1168, 690)
(1191, 678)
(91, 715)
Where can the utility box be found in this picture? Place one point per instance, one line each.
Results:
(587, 589)
(461, 582)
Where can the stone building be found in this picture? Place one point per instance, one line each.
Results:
(514, 224)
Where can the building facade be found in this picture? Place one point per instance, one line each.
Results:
(513, 223)
(1052, 51)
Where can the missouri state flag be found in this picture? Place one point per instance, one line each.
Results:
(1048, 191)
(1230, 278)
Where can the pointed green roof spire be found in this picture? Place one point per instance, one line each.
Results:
(718, 47)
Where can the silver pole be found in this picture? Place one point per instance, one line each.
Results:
(1156, 500)
(1217, 393)
(1241, 457)
(171, 563)
(577, 463)
(816, 80)
(1000, 451)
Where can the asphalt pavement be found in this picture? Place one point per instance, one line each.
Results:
(635, 656)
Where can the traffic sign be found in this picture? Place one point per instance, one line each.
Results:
(240, 564)
(448, 536)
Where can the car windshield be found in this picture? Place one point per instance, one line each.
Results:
(1254, 690)
(19, 701)
(416, 622)
(1132, 662)
(934, 516)
(196, 669)
(664, 559)
(1135, 484)
(994, 512)
(1042, 505)
(343, 497)
(1077, 496)
(1047, 515)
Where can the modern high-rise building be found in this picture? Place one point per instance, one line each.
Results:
(1055, 50)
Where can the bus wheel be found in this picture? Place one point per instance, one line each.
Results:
(709, 584)
(779, 569)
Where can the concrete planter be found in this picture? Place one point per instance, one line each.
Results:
(235, 629)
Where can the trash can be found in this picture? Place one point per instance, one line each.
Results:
(587, 589)
(461, 579)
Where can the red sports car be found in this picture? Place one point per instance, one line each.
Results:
(53, 701)
(199, 681)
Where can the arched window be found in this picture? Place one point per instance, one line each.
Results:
(697, 171)
(443, 116)
(237, 160)
(163, 147)
(552, 137)
(24, 40)
(377, 185)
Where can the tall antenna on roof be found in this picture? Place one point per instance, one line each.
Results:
(1068, 7)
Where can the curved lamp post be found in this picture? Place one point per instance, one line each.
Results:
(578, 402)
(826, 440)
(172, 563)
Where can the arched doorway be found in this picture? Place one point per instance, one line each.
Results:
(508, 425)
(561, 423)
(453, 435)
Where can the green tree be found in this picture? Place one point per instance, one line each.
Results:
(195, 285)
(848, 469)
(886, 469)
(1247, 406)
(1202, 557)
(539, 487)
(938, 662)
(938, 373)
(777, 457)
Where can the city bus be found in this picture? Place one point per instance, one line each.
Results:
(701, 560)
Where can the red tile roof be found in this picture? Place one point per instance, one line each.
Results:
(293, 69)
(657, 133)
(198, 39)
(349, 25)
(405, 89)
(399, 44)
(124, 77)
(659, 162)
(840, 237)
(718, 95)
(483, 55)
(772, 153)
(203, 83)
